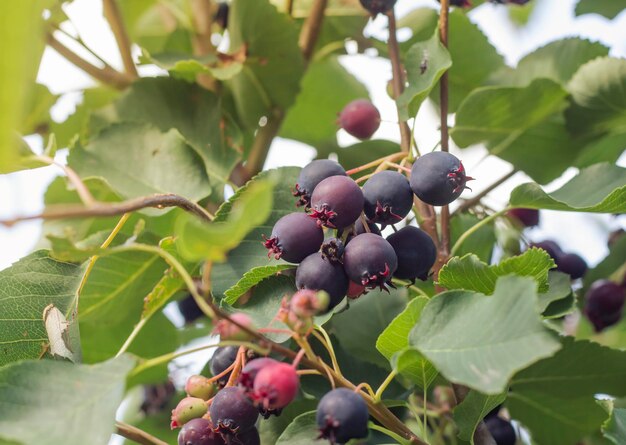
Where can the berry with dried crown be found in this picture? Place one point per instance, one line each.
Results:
(311, 175)
(294, 237)
(336, 202)
(370, 260)
(317, 273)
(388, 197)
(342, 415)
(438, 178)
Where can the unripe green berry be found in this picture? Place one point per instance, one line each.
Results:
(200, 387)
(187, 409)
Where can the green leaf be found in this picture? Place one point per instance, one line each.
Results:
(252, 278)
(326, 88)
(271, 429)
(559, 299)
(21, 34)
(604, 185)
(186, 67)
(481, 243)
(37, 116)
(26, 289)
(497, 113)
(426, 62)
(598, 98)
(251, 253)
(195, 112)
(604, 149)
(274, 64)
(155, 162)
(469, 337)
(375, 310)
(72, 404)
(614, 428)
(557, 61)
(474, 59)
(251, 207)
(394, 341)
(161, 293)
(607, 8)
(555, 396)
(469, 413)
(470, 273)
(301, 431)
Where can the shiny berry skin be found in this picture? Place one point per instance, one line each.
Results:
(416, 253)
(571, 264)
(223, 357)
(526, 217)
(294, 237)
(370, 260)
(231, 411)
(360, 118)
(199, 432)
(604, 303)
(275, 385)
(199, 386)
(438, 178)
(551, 247)
(360, 228)
(388, 197)
(316, 273)
(311, 175)
(342, 415)
(378, 6)
(252, 368)
(336, 202)
(501, 430)
(332, 250)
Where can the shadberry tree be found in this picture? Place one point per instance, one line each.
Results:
(369, 297)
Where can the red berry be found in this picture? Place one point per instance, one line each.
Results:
(276, 385)
(360, 118)
(252, 368)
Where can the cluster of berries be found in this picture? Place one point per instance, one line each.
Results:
(356, 257)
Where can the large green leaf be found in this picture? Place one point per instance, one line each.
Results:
(557, 60)
(614, 428)
(271, 429)
(598, 92)
(274, 64)
(469, 413)
(252, 278)
(482, 341)
(54, 402)
(554, 397)
(425, 63)
(26, 289)
(607, 148)
(195, 112)
(326, 88)
(394, 340)
(302, 431)
(250, 253)
(607, 8)
(154, 162)
(604, 186)
(198, 240)
(375, 311)
(21, 37)
(470, 273)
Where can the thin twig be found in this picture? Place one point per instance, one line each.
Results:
(106, 75)
(136, 435)
(476, 199)
(116, 208)
(311, 29)
(83, 192)
(116, 22)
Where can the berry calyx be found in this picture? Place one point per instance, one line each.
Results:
(187, 409)
(231, 411)
(416, 253)
(524, 217)
(294, 237)
(317, 273)
(336, 202)
(342, 415)
(604, 303)
(199, 432)
(360, 118)
(311, 175)
(223, 357)
(438, 178)
(388, 197)
(275, 385)
(199, 386)
(370, 260)
(332, 250)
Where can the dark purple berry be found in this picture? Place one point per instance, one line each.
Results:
(370, 260)
(316, 273)
(232, 412)
(332, 250)
(527, 217)
(336, 202)
(494, 412)
(248, 437)
(388, 197)
(416, 253)
(311, 175)
(360, 118)
(275, 385)
(342, 415)
(294, 237)
(189, 309)
(571, 264)
(551, 247)
(378, 6)
(438, 178)
(604, 302)
(501, 430)
(199, 432)
(223, 357)
(360, 228)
